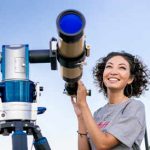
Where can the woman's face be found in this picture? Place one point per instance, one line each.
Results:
(117, 73)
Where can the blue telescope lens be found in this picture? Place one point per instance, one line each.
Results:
(70, 23)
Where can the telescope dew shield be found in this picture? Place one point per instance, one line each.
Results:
(70, 25)
(71, 45)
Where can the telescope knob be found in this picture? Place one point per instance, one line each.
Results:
(88, 47)
(41, 88)
(41, 110)
(88, 93)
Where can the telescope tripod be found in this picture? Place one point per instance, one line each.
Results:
(20, 131)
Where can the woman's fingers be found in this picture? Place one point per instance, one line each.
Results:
(81, 89)
(80, 83)
(73, 100)
(81, 86)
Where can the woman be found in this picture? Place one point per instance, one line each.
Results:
(120, 124)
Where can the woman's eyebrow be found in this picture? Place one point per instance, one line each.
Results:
(109, 63)
(121, 64)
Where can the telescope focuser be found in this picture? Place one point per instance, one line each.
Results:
(71, 89)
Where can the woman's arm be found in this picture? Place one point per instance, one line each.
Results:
(101, 140)
(83, 143)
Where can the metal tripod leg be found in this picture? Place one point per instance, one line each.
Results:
(19, 138)
(146, 140)
(40, 142)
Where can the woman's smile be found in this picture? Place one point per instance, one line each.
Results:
(117, 73)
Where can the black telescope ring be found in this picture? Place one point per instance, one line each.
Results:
(71, 62)
(73, 80)
(70, 38)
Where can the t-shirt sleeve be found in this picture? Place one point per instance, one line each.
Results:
(127, 127)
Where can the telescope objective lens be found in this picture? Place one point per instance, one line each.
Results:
(70, 23)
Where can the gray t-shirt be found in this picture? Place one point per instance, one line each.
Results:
(125, 121)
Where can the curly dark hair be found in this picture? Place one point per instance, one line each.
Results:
(138, 70)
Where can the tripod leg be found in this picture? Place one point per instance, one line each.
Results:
(146, 140)
(40, 142)
(19, 140)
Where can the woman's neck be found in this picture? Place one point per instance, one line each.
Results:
(116, 97)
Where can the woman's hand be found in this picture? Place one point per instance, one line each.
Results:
(76, 107)
(80, 99)
(81, 94)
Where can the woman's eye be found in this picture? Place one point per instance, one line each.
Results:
(108, 66)
(124, 68)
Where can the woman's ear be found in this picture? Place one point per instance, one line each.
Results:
(131, 79)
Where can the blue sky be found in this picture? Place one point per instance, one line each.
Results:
(111, 25)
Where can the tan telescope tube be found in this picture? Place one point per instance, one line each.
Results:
(71, 50)
(71, 73)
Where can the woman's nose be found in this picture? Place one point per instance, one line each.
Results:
(114, 71)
